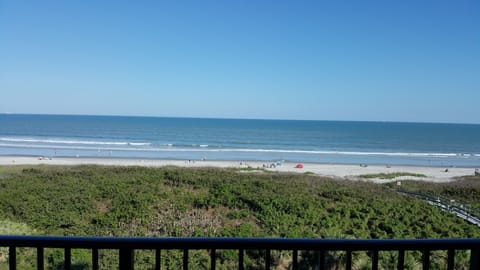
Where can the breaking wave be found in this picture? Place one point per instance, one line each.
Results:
(55, 141)
(148, 147)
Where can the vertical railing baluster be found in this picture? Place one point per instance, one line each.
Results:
(348, 265)
(158, 256)
(12, 258)
(426, 259)
(126, 258)
(451, 259)
(322, 260)
(295, 260)
(67, 258)
(240, 259)
(40, 259)
(474, 259)
(185, 259)
(401, 259)
(213, 258)
(94, 259)
(267, 259)
(375, 260)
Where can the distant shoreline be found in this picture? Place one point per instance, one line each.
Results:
(232, 161)
(341, 171)
(330, 142)
(241, 118)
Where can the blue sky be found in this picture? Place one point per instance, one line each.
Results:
(327, 60)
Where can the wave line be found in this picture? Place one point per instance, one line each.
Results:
(280, 151)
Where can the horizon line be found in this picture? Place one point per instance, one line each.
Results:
(240, 118)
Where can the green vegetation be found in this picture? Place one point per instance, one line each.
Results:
(391, 175)
(465, 190)
(250, 169)
(139, 201)
(9, 227)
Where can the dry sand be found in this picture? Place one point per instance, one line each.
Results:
(434, 174)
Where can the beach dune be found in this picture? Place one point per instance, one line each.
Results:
(344, 171)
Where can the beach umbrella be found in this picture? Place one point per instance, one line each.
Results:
(299, 166)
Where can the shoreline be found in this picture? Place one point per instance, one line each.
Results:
(339, 171)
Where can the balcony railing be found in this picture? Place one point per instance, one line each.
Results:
(127, 246)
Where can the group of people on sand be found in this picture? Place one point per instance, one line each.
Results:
(271, 165)
(274, 164)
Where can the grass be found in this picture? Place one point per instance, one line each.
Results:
(249, 169)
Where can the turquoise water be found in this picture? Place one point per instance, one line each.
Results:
(235, 139)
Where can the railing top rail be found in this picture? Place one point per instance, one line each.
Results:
(236, 243)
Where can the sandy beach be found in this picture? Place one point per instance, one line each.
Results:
(352, 172)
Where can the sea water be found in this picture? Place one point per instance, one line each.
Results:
(426, 144)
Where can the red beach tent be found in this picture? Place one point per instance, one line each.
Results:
(299, 166)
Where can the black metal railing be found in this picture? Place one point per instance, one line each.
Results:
(127, 246)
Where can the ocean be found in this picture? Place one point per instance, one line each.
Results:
(343, 142)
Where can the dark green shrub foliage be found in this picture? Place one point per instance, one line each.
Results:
(139, 201)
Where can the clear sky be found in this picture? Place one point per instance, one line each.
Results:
(411, 60)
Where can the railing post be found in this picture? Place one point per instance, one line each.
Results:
(185, 259)
(126, 259)
(213, 258)
(426, 260)
(94, 259)
(451, 259)
(240, 259)
(295, 260)
(67, 258)
(12, 258)
(401, 259)
(322, 259)
(348, 265)
(267, 259)
(375, 260)
(158, 256)
(40, 260)
(474, 258)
